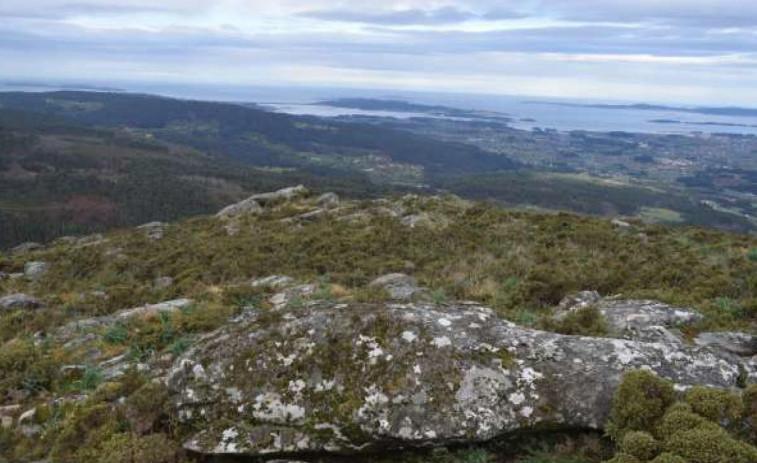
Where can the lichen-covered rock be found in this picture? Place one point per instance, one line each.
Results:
(244, 207)
(25, 247)
(328, 200)
(35, 270)
(639, 320)
(154, 230)
(734, 342)
(334, 377)
(20, 301)
(398, 285)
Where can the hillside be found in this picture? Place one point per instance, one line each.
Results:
(78, 162)
(125, 344)
(85, 162)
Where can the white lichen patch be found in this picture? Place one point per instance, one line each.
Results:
(442, 341)
(269, 407)
(409, 336)
(228, 442)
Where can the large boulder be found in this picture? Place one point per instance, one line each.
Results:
(255, 203)
(348, 377)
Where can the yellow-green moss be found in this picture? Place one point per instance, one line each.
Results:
(640, 445)
(639, 403)
(717, 405)
(710, 445)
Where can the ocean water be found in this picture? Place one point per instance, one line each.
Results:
(527, 112)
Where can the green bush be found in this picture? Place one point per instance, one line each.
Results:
(640, 444)
(710, 445)
(132, 448)
(676, 421)
(639, 403)
(717, 405)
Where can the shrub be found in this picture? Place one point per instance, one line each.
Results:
(717, 405)
(639, 403)
(710, 445)
(116, 334)
(676, 421)
(752, 254)
(132, 448)
(640, 445)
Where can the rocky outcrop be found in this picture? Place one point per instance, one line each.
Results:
(154, 230)
(639, 320)
(742, 344)
(398, 286)
(255, 203)
(19, 301)
(348, 377)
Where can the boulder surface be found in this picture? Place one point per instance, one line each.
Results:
(350, 378)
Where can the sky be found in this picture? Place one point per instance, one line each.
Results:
(684, 51)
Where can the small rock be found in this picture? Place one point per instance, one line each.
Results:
(35, 270)
(25, 247)
(154, 230)
(285, 194)
(27, 424)
(168, 306)
(245, 207)
(7, 414)
(399, 285)
(621, 223)
(20, 301)
(273, 281)
(741, 344)
(578, 300)
(328, 200)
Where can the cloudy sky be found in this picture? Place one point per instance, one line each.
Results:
(692, 51)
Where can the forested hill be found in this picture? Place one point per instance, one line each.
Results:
(79, 162)
(252, 134)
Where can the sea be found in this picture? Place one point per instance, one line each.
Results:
(525, 112)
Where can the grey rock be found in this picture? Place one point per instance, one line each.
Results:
(25, 247)
(154, 230)
(399, 286)
(246, 207)
(168, 306)
(742, 344)
(273, 281)
(621, 223)
(645, 320)
(280, 196)
(577, 301)
(27, 423)
(36, 270)
(20, 301)
(255, 203)
(328, 200)
(639, 320)
(366, 377)
(289, 296)
(8, 414)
